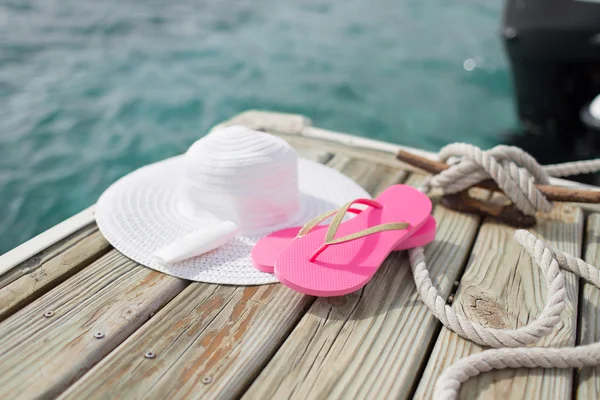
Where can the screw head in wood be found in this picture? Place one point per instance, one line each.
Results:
(207, 379)
(49, 314)
(99, 335)
(149, 354)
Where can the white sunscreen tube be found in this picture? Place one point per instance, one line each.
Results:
(197, 243)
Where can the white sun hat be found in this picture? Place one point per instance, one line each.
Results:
(253, 179)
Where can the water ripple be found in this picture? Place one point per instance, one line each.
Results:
(90, 90)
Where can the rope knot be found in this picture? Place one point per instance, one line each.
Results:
(514, 170)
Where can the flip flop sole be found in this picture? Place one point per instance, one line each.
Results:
(267, 250)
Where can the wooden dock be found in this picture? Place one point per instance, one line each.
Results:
(79, 320)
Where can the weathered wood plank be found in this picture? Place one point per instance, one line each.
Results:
(588, 379)
(48, 254)
(36, 245)
(371, 176)
(369, 344)
(40, 357)
(313, 153)
(373, 156)
(52, 267)
(502, 289)
(210, 341)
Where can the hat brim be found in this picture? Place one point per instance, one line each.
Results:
(139, 214)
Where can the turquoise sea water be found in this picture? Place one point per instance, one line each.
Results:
(91, 90)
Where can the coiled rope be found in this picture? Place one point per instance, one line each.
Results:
(516, 173)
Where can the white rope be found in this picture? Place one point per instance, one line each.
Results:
(516, 173)
(573, 168)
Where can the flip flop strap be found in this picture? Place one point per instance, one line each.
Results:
(310, 225)
(337, 220)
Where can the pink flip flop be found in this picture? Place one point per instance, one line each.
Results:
(267, 250)
(344, 257)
